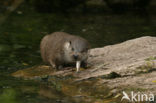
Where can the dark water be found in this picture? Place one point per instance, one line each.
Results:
(22, 30)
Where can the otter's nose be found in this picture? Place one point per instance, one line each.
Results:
(75, 57)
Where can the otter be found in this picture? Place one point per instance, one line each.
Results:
(60, 48)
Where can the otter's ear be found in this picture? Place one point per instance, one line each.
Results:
(67, 44)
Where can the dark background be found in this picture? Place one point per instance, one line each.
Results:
(102, 22)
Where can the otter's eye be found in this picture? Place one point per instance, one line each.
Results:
(72, 49)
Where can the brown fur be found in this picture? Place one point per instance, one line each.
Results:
(53, 49)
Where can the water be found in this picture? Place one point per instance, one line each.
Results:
(20, 35)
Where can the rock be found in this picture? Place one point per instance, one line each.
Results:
(33, 72)
(140, 82)
(40, 71)
(129, 64)
(123, 58)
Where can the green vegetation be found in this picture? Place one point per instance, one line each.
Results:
(149, 67)
(150, 58)
(8, 96)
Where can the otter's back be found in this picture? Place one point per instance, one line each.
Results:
(52, 45)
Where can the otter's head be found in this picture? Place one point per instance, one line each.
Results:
(76, 50)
